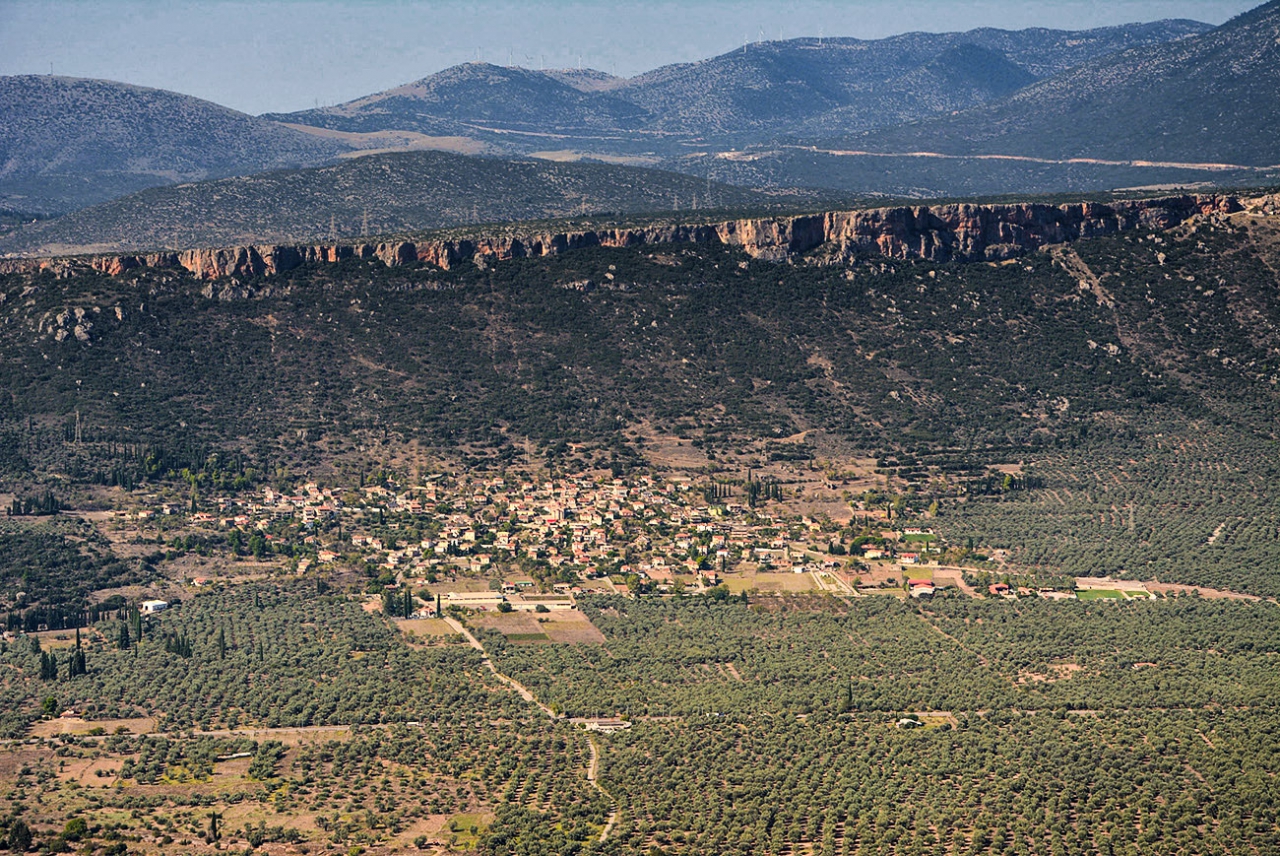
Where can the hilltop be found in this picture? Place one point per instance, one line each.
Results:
(763, 89)
(1207, 98)
(69, 142)
(470, 97)
(1194, 112)
(374, 194)
(824, 84)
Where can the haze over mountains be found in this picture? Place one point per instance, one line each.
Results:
(765, 88)
(920, 115)
(1205, 99)
(68, 142)
(1199, 110)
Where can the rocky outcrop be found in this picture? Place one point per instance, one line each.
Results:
(942, 233)
(1268, 205)
(986, 232)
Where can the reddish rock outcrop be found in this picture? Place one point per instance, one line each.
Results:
(938, 233)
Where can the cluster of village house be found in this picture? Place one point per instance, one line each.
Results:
(658, 531)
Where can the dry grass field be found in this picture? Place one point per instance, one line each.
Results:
(769, 582)
(425, 628)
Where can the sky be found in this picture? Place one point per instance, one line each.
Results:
(285, 55)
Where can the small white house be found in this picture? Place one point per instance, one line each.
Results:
(153, 606)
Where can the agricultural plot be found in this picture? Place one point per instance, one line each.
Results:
(1177, 505)
(296, 718)
(1124, 726)
(427, 629)
(1100, 594)
(570, 626)
(1004, 783)
(919, 538)
(766, 581)
(755, 729)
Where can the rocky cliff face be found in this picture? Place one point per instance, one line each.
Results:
(940, 233)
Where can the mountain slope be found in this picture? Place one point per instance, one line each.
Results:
(1209, 98)
(376, 194)
(460, 98)
(767, 88)
(955, 79)
(971, 347)
(69, 142)
(1142, 366)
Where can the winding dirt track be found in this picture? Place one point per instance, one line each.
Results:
(593, 766)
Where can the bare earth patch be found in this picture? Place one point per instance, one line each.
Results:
(1055, 672)
(92, 773)
(572, 627)
(76, 725)
(425, 627)
(769, 582)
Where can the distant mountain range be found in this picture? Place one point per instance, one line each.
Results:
(984, 112)
(1207, 99)
(820, 85)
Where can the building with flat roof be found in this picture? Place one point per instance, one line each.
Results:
(475, 598)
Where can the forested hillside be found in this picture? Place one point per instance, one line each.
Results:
(1203, 99)
(373, 195)
(69, 142)
(1148, 359)
(835, 85)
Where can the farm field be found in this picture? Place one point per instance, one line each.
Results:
(203, 579)
(766, 581)
(210, 720)
(236, 743)
(1100, 594)
(722, 684)
(426, 628)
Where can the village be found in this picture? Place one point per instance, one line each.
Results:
(495, 543)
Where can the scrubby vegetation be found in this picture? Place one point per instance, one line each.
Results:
(1107, 409)
(1050, 727)
(1135, 373)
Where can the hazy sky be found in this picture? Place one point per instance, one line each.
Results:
(292, 54)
